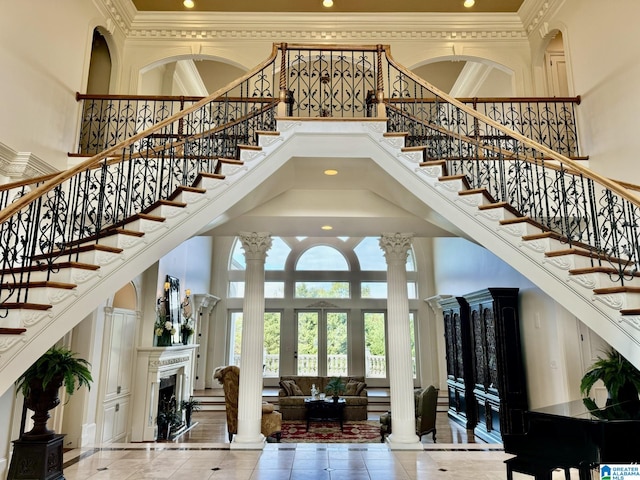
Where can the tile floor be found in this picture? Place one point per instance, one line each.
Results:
(203, 453)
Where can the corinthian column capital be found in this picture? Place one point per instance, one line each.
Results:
(396, 246)
(255, 245)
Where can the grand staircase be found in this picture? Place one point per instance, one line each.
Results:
(71, 240)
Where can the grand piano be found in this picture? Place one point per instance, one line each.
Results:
(570, 435)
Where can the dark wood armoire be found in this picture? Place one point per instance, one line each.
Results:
(457, 333)
(485, 369)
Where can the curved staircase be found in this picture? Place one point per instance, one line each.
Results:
(470, 177)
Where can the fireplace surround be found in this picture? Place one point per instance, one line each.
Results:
(153, 365)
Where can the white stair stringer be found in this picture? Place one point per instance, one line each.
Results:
(312, 139)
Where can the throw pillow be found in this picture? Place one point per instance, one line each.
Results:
(351, 387)
(354, 388)
(268, 407)
(287, 386)
(296, 390)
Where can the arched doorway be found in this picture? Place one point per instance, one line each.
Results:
(555, 66)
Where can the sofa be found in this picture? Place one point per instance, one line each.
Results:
(295, 388)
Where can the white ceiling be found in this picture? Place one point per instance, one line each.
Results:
(362, 200)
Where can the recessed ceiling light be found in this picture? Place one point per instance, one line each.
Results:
(469, 3)
(327, 227)
(188, 3)
(331, 172)
(327, 3)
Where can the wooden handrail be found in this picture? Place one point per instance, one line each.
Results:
(211, 131)
(163, 98)
(575, 100)
(111, 152)
(610, 184)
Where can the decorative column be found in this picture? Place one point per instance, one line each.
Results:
(255, 247)
(403, 433)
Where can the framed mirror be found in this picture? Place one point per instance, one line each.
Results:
(172, 301)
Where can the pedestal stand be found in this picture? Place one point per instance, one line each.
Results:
(37, 459)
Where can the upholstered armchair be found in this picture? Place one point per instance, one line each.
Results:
(229, 377)
(426, 403)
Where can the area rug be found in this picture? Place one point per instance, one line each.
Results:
(329, 432)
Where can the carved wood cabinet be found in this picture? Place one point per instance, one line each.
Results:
(485, 369)
(455, 311)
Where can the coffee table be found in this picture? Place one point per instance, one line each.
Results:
(324, 411)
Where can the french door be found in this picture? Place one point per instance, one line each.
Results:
(322, 344)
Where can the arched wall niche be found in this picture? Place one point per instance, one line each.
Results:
(553, 60)
(551, 37)
(114, 59)
(126, 298)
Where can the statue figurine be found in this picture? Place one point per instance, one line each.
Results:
(314, 392)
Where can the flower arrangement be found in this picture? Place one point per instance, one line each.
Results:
(164, 328)
(186, 330)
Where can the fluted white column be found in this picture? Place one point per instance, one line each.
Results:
(403, 428)
(255, 247)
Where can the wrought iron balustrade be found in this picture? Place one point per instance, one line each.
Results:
(548, 121)
(42, 220)
(110, 119)
(560, 195)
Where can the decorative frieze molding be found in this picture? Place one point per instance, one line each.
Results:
(22, 165)
(298, 26)
(534, 14)
(163, 362)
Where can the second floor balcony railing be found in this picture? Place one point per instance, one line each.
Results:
(110, 119)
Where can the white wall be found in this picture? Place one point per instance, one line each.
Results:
(549, 333)
(44, 53)
(601, 42)
(190, 263)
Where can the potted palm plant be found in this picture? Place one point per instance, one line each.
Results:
(335, 387)
(189, 406)
(41, 382)
(620, 377)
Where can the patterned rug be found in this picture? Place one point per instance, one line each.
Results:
(329, 432)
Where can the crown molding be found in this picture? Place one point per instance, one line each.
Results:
(22, 165)
(534, 14)
(121, 12)
(306, 26)
(293, 25)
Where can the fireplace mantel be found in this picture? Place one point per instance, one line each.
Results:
(153, 364)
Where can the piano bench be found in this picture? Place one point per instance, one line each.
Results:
(534, 467)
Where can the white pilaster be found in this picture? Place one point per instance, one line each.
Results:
(403, 434)
(255, 247)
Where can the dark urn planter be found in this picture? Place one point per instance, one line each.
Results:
(40, 401)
